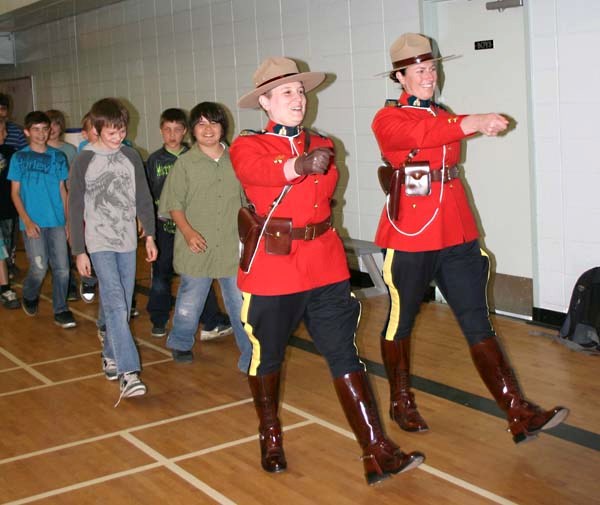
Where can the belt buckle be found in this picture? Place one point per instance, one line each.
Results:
(310, 232)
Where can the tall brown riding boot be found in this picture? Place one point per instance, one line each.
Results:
(525, 419)
(381, 457)
(403, 409)
(265, 391)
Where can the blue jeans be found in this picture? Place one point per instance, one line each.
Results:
(49, 248)
(189, 305)
(116, 280)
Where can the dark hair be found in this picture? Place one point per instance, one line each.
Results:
(36, 117)
(57, 116)
(109, 112)
(175, 116)
(5, 100)
(393, 74)
(213, 112)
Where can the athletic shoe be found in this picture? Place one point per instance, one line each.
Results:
(101, 334)
(9, 299)
(87, 292)
(65, 319)
(182, 356)
(109, 366)
(218, 331)
(159, 331)
(30, 307)
(131, 386)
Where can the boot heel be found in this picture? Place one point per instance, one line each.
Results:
(523, 437)
(373, 472)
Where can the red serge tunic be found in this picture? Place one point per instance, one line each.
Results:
(258, 161)
(398, 131)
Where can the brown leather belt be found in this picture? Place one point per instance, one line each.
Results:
(436, 175)
(311, 231)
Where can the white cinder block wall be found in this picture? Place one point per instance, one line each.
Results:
(176, 53)
(565, 38)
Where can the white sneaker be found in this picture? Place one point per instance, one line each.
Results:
(131, 386)
(218, 331)
(109, 366)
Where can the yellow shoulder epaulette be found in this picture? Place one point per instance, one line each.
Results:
(246, 132)
(390, 102)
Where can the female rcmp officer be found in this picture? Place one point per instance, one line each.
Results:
(308, 282)
(435, 238)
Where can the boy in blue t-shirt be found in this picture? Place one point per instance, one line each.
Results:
(38, 174)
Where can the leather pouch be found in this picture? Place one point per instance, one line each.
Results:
(417, 179)
(278, 236)
(390, 180)
(249, 226)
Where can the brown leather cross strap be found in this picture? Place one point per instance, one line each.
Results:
(436, 175)
(312, 230)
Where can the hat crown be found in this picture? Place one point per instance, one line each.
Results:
(409, 45)
(272, 68)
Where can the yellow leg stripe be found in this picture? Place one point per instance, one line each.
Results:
(394, 321)
(487, 305)
(357, 323)
(255, 361)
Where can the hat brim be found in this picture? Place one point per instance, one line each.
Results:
(310, 80)
(439, 58)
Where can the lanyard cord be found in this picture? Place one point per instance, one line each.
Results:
(437, 210)
(277, 201)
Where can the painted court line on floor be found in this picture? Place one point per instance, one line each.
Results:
(429, 469)
(25, 366)
(177, 470)
(170, 463)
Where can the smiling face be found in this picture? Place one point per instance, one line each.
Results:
(419, 79)
(55, 131)
(207, 133)
(285, 104)
(37, 134)
(111, 137)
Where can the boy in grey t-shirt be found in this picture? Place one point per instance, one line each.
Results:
(108, 190)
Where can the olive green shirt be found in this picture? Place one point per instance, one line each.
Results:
(209, 194)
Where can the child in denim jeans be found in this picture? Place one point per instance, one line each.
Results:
(38, 174)
(108, 190)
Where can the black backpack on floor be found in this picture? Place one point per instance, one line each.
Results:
(581, 328)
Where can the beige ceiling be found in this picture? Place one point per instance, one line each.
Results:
(18, 15)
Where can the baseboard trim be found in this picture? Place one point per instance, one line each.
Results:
(545, 317)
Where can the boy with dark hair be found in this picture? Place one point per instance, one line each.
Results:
(8, 213)
(108, 191)
(38, 174)
(202, 196)
(15, 136)
(173, 128)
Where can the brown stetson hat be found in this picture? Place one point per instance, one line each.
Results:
(274, 72)
(411, 48)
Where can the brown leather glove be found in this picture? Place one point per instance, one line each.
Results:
(315, 162)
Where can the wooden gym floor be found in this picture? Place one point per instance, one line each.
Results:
(193, 439)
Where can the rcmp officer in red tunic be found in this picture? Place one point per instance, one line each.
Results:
(434, 237)
(310, 281)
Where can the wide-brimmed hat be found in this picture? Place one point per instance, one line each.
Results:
(411, 48)
(274, 72)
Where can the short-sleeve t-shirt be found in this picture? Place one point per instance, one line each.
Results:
(40, 175)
